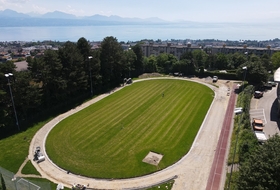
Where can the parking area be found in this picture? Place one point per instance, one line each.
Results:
(265, 108)
(259, 114)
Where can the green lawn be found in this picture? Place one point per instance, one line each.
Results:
(165, 186)
(29, 169)
(44, 183)
(14, 149)
(110, 138)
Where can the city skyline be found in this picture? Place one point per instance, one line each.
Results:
(199, 11)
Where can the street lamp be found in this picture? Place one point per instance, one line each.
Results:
(235, 146)
(8, 75)
(244, 68)
(246, 53)
(89, 58)
(129, 63)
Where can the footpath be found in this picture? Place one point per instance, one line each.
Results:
(190, 173)
(218, 167)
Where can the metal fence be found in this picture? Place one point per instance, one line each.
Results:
(13, 182)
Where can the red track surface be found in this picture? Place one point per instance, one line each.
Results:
(216, 172)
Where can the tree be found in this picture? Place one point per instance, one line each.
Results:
(84, 47)
(73, 71)
(184, 66)
(211, 61)
(255, 73)
(188, 60)
(266, 61)
(238, 59)
(47, 71)
(94, 68)
(200, 58)
(221, 61)
(6, 112)
(276, 60)
(165, 62)
(138, 63)
(28, 95)
(91, 62)
(254, 58)
(129, 60)
(150, 64)
(111, 59)
(261, 169)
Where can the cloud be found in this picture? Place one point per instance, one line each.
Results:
(13, 2)
(39, 9)
(106, 13)
(16, 4)
(70, 10)
(19, 1)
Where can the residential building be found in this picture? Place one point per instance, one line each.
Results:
(177, 50)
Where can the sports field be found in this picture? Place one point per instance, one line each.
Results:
(110, 138)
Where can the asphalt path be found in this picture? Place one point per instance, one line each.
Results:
(191, 172)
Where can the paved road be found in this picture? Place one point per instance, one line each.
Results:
(192, 170)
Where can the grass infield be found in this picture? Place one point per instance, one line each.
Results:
(110, 138)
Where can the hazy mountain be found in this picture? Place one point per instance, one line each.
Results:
(58, 15)
(12, 14)
(57, 18)
(33, 14)
(121, 19)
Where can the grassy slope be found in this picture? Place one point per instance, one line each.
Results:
(29, 169)
(110, 138)
(14, 149)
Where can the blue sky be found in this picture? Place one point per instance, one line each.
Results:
(199, 10)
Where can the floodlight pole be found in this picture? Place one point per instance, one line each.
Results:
(8, 75)
(91, 91)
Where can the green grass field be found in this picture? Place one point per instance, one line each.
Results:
(110, 138)
(14, 149)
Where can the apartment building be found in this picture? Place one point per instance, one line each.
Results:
(246, 50)
(177, 50)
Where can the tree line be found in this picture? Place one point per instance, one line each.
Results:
(60, 79)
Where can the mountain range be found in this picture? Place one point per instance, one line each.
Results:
(10, 18)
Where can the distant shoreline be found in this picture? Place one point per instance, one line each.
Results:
(137, 32)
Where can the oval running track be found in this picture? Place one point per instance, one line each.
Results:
(191, 172)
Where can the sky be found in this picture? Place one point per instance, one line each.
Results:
(170, 10)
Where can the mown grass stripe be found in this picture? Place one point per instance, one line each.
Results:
(110, 138)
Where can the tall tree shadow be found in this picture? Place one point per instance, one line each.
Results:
(274, 116)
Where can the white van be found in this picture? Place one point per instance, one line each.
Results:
(260, 136)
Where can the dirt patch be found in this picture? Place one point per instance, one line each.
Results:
(150, 75)
(153, 158)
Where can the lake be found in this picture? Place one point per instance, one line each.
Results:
(126, 33)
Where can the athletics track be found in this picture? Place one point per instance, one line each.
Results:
(217, 169)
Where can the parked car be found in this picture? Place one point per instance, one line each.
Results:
(38, 155)
(238, 110)
(129, 81)
(257, 124)
(268, 86)
(215, 78)
(260, 136)
(272, 83)
(258, 94)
